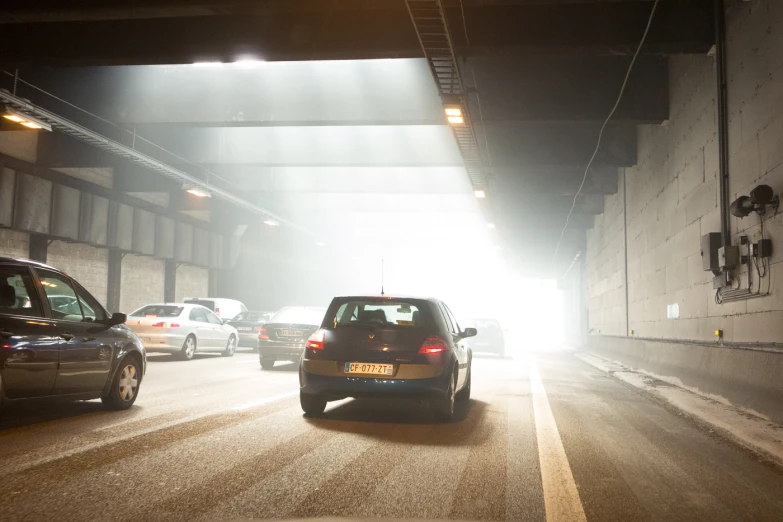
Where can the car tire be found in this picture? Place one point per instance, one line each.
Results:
(312, 404)
(124, 386)
(188, 348)
(444, 407)
(231, 347)
(267, 364)
(464, 393)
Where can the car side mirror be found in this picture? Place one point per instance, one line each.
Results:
(116, 318)
(469, 332)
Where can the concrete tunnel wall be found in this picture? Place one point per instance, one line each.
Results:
(672, 199)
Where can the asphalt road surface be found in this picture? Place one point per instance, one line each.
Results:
(544, 437)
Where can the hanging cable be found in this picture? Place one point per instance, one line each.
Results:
(605, 123)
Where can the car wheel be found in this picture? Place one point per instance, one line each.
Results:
(267, 364)
(125, 385)
(188, 348)
(445, 406)
(464, 393)
(231, 347)
(312, 404)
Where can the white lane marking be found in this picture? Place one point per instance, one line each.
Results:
(266, 400)
(561, 497)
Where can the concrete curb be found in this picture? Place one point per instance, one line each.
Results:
(746, 428)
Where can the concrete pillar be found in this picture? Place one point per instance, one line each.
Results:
(169, 280)
(114, 282)
(39, 245)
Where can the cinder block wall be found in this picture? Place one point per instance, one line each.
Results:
(14, 244)
(87, 264)
(672, 196)
(141, 282)
(192, 281)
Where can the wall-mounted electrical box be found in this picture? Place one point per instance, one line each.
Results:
(763, 248)
(728, 257)
(710, 244)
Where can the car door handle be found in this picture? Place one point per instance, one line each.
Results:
(67, 336)
(5, 334)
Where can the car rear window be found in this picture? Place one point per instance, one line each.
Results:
(158, 311)
(387, 313)
(251, 316)
(298, 315)
(206, 303)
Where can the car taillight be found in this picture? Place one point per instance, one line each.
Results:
(217, 312)
(434, 344)
(259, 328)
(262, 335)
(166, 325)
(316, 341)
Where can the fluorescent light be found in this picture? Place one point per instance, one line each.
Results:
(456, 120)
(25, 120)
(271, 223)
(490, 225)
(248, 62)
(453, 111)
(199, 193)
(480, 194)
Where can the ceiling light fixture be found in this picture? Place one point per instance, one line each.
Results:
(480, 194)
(456, 120)
(25, 120)
(198, 192)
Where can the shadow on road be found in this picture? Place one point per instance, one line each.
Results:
(36, 411)
(344, 415)
(166, 358)
(285, 366)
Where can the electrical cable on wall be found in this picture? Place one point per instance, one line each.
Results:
(603, 127)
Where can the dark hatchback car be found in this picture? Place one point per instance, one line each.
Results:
(57, 340)
(387, 347)
(283, 337)
(248, 325)
(490, 338)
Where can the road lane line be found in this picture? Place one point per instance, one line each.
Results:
(266, 400)
(561, 497)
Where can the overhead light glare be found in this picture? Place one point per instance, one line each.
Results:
(456, 120)
(198, 192)
(480, 194)
(25, 120)
(453, 110)
(207, 64)
(271, 223)
(248, 62)
(490, 226)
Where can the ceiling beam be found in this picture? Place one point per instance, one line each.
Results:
(555, 180)
(354, 32)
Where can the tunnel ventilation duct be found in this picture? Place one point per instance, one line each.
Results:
(91, 137)
(432, 29)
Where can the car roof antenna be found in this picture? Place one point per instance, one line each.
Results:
(382, 293)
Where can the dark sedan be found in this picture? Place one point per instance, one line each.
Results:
(57, 340)
(248, 325)
(387, 346)
(283, 337)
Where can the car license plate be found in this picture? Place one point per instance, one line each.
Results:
(371, 368)
(290, 333)
(244, 328)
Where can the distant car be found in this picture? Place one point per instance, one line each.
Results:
(223, 308)
(249, 324)
(387, 347)
(57, 340)
(182, 329)
(490, 337)
(283, 337)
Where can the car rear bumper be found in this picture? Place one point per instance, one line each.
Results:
(282, 351)
(334, 388)
(163, 343)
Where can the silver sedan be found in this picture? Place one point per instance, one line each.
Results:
(182, 329)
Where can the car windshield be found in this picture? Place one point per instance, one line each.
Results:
(158, 311)
(397, 313)
(298, 315)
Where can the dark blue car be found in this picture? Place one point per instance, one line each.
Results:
(387, 347)
(57, 340)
